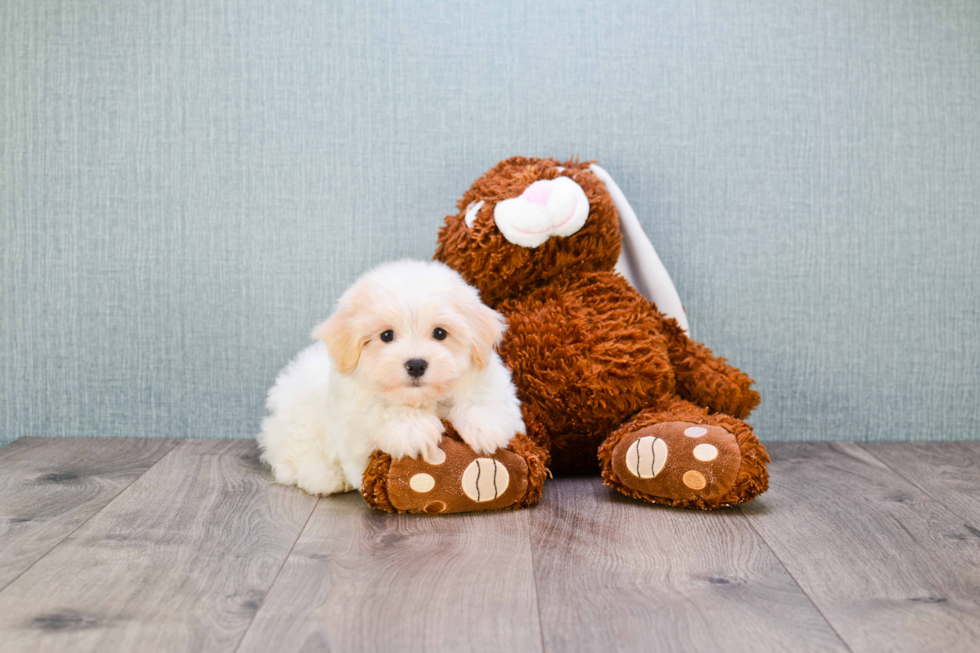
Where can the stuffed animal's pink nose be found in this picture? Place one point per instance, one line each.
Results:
(546, 208)
(539, 192)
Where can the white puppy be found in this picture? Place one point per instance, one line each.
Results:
(409, 344)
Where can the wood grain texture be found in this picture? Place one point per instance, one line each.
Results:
(179, 562)
(949, 472)
(361, 580)
(890, 567)
(204, 553)
(617, 575)
(50, 486)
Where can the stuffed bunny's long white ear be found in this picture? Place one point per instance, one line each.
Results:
(638, 261)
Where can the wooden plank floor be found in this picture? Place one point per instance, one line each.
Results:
(162, 545)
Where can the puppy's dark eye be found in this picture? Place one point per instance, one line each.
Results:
(439, 333)
(387, 336)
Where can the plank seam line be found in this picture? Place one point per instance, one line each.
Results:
(918, 487)
(89, 518)
(278, 572)
(795, 581)
(534, 576)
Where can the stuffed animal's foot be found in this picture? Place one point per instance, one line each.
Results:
(694, 460)
(456, 479)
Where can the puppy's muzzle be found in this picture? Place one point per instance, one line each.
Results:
(416, 367)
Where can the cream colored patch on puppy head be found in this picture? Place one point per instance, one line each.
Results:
(410, 330)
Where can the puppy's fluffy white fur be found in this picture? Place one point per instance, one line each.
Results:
(350, 393)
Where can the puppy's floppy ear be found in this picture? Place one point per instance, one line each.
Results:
(488, 329)
(341, 339)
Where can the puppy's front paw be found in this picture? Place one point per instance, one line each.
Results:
(481, 431)
(411, 435)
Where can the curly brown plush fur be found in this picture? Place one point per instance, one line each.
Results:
(592, 359)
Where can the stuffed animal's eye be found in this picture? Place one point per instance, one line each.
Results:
(439, 333)
(387, 336)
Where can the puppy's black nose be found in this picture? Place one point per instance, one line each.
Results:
(416, 367)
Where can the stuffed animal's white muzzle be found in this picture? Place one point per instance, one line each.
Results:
(546, 208)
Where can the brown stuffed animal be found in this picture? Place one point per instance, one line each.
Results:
(598, 368)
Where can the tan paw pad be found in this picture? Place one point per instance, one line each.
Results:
(485, 479)
(694, 480)
(706, 452)
(437, 457)
(646, 457)
(422, 482)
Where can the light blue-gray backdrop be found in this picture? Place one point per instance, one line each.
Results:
(187, 185)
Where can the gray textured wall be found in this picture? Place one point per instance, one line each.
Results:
(185, 187)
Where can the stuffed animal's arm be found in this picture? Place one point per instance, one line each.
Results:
(706, 379)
